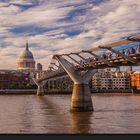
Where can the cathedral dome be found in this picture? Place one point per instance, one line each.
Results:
(26, 60)
(27, 54)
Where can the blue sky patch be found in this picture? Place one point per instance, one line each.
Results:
(73, 14)
(24, 7)
(73, 33)
(29, 30)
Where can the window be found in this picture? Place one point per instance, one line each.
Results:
(27, 64)
(21, 64)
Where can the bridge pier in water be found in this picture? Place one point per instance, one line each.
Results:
(40, 87)
(81, 96)
(40, 90)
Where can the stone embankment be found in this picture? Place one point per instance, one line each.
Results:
(18, 91)
(34, 91)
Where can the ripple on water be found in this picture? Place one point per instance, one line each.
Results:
(50, 114)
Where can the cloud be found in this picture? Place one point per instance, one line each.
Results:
(59, 26)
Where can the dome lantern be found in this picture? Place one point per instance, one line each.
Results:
(27, 48)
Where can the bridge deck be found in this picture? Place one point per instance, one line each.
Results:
(99, 61)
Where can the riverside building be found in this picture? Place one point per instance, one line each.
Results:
(135, 81)
(39, 71)
(26, 61)
(109, 81)
(12, 78)
(25, 71)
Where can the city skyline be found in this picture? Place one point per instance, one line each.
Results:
(55, 27)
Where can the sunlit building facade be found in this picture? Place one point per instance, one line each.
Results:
(26, 60)
(108, 81)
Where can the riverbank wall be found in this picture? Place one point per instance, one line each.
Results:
(53, 92)
(18, 91)
(32, 91)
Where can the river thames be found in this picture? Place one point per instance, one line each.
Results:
(31, 114)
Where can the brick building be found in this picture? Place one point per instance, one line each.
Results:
(10, 77)
(135, 81)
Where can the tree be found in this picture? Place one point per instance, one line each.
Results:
(13, 85)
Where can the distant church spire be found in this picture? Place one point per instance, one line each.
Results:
(27, 47)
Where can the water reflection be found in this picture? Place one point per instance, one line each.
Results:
(51, 115)
(81, 122)
(26, 118)
(55, 118)
(72, 121)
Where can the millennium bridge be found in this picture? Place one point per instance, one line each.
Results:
(81, 66)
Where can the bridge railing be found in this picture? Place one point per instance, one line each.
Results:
(133, 50)
(108, 56)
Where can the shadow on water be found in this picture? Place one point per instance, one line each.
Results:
(55, 119)
(51, 114)
(43, 116)
(48, 105)
(69, 122)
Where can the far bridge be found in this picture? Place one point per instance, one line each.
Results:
(81, 66)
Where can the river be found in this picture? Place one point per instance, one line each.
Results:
(31, 114)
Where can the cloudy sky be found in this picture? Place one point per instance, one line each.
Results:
(62, 26)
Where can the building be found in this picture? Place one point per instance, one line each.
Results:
(26, 60)
(12, 78)
(39, 67)
(39, 71)
(40, 74)
(135, 81)
(109, 81)
(24, 73)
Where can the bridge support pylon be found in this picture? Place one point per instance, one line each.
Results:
(81, 96)
(40, 87)
(40, 91)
